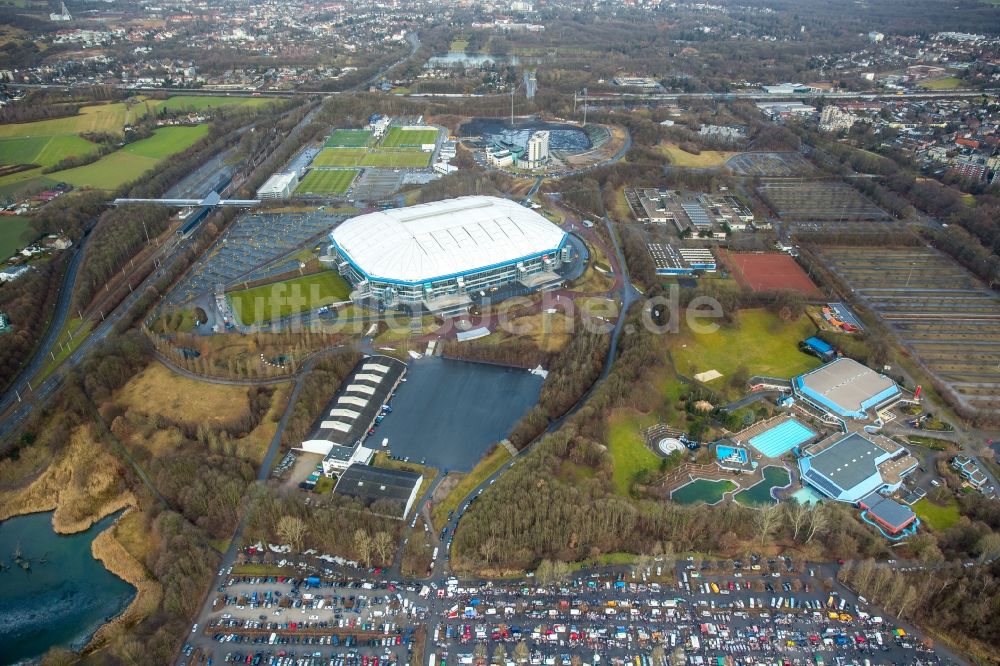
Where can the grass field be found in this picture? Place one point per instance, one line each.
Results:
(483, 470)
(205, 102)
(98, 118)
(42, 150)
(397, 137)
(628, 452)
(327, 182)
(157, 389)
(363, 157)
(761, 342)
(937, 516)
(125, 165)
(281, 299)
(704, 160)
(459, 45)
(14, 234)
(349, 138)
(944, 83)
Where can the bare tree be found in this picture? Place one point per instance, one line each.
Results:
(292, 531)
(363, 545)
(479, 653)
(797, 514)
(658, 655)
(766, 521)
(818, 522)
(499, 654)
(521, 653)
(383, 545)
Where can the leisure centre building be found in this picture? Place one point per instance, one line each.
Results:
(440, 255)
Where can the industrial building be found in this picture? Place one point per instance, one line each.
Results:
(341, 429)
(279, 186)
(439, 255)
(854, 467)
(669, 260)
(846, 389)
(387, 491)
(888, 514)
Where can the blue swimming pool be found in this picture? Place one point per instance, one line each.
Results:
(732, 454)
(781, 439)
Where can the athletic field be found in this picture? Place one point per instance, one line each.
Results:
(766, 271)
(397, 137)
(280, 299)
(364, 157)
(319, 181)
(350, 138)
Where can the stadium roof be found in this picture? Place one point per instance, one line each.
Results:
(848, 469)
(444, 239)
(371, 484)
(846, 387)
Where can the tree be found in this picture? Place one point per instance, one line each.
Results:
(521, 653)
(543, 574)
(818, 521)
(499, 654)
(292, 530)
(479, 653)
(797, 514)
(658, 655)
(383, 544)
(363, 546)
(766, 520)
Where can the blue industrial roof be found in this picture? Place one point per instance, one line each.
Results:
(820, 346)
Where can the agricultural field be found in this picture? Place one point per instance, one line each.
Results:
(704, 160)
(327, 181)
(14, 234)
(949, 319)
(397, 137)
(110, 117)
(364, 157)
(349, 138)
(281, 299)
(125, 165)
(819, 201)
(760, 341)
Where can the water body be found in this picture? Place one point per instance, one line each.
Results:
(493, 130)
(462, 59)
(60, 602)
(449, 412)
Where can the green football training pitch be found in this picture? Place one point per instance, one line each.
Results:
(321, 181)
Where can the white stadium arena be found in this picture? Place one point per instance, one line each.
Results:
(446, 254)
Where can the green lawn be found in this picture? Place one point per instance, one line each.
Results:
(125, 165)
(327, 182)
(14, 234)
(944, 83)
(350, 138)
(42, 150)
(98, 118)
(760, 341)
(204, 102)
(281, 299)
(937, 516)
(701, 490)
(364, 157)
(629, 453)
(397, 137)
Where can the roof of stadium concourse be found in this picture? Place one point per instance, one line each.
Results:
(370, 484)
(445, 238)
(347, 417)
(845, 465)
(846, 387)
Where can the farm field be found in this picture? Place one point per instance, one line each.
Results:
(364, 157)
(323, 181)
(12, 234)
(941, 312)
(42, 150)
(703, 160)
(281, 299)
(125, 165)
(821, 201)
(98, 118)
(397, 137)
(761, 342)
(349, 138)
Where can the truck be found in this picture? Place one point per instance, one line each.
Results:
(313, 581)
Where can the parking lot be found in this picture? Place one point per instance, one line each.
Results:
(760, 611)
(254, 246)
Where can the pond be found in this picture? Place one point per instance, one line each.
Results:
(65, 595)
(760, 493)
(702, 490)
(563, 137)
(449, 412)
(462, 59)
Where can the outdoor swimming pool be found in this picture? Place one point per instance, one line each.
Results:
(781, 439)
(760, 492)
(702, 490)
(732, 454)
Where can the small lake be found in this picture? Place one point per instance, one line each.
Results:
(62, 601)
(462, 59)
(561, 136)
(449, 412)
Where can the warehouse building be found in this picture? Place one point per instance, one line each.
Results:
(846, 389)
(387, 491)
(437, 256)
(341, 429)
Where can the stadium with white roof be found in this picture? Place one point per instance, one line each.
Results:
(443, 254)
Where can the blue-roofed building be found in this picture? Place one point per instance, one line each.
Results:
(891, 516)
(847, 389)
(854, 467)
(821, 348)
